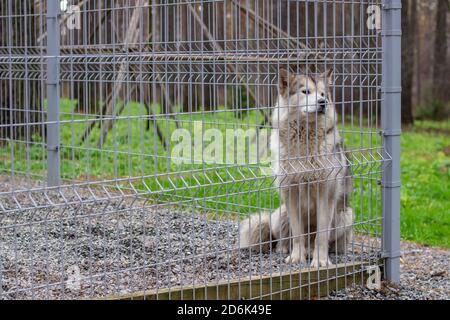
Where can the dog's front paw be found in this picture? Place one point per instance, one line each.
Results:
(322, 262)
(295, 258)
(282, 248)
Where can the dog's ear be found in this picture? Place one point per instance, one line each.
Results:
(328, 76)
(286, 82)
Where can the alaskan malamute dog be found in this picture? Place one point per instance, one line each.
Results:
(312, 173)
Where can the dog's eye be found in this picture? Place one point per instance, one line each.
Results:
(323, 95)
(306, 92)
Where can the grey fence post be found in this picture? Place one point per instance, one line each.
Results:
(53, 94)
(391, 131)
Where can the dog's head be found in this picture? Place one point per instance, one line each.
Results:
(306, 94)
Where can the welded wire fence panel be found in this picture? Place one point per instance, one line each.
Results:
(189, 149)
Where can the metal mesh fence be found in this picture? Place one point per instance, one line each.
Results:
(190, 149)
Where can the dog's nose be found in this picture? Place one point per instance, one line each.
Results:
(321, 105)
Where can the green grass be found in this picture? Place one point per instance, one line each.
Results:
(425, 196)
(237, 190)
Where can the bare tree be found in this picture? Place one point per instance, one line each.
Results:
(409, 13)
(441, 64)
(20, 99)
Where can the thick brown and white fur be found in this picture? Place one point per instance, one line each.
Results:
(312, 173)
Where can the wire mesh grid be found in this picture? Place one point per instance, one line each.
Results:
(176, 121)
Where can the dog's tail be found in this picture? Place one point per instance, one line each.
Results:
(260, 231)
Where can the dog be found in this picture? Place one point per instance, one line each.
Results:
(312, 173)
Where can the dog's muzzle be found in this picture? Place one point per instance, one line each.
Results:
(322, 106)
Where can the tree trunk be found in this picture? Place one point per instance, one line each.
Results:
(20, 93)
(407, 61)
(417, 77)
(441, 65)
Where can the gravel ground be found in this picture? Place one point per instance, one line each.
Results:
(95, 249)
(99, 248)
(425, 275)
